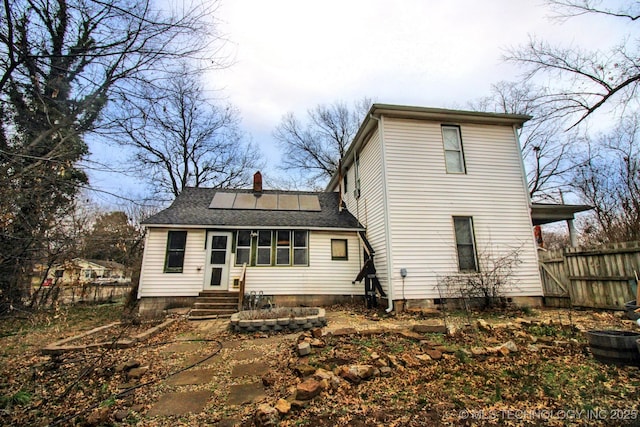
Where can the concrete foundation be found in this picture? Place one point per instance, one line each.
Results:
(458, 303)
(155, 306)
(314, 300)
(150, 307)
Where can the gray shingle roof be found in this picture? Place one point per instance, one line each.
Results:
(192, 208)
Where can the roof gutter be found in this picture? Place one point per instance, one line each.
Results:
(249, 227)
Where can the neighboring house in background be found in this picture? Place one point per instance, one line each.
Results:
(427, 189)
(80, 271)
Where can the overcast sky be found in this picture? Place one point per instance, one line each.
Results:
(290, 55)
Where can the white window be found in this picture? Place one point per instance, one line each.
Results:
(465, 243)
(453, 154)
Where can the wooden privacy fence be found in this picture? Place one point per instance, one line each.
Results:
(605, 277)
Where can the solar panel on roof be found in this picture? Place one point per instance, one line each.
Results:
(222, 200)
(288, 202)
(244, 201)
(266, 202)
(309, 202)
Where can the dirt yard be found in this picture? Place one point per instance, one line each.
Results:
(530, 367)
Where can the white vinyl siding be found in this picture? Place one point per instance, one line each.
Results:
(423, 198)
(323, 276)
(369, 208)
(155, 282)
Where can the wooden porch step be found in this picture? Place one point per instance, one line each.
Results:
(213, 304)
(216, 305)
(214, 300)
(198, 313)
(218, 293)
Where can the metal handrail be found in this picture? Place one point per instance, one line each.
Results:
(243, 276)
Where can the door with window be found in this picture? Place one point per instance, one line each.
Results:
(218, 255)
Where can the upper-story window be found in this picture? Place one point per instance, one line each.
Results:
(453, 154)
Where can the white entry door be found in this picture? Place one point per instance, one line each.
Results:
(218, 257)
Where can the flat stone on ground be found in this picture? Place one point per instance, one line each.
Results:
(250, 369)
(247, 354)
(180, 403)
(274, 339)
(192, 377)
(184, 347)
(245, 393)
(231, 344)
(229, 422)
(200, 358)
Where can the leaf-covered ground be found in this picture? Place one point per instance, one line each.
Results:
(551, 380)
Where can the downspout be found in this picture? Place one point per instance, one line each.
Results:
(142, 269)
(387, 230)
(523, 172)
(525, 186)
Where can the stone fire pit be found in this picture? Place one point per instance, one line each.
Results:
(291, 319)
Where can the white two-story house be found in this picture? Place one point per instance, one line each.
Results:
(431, 192)
(439, 192)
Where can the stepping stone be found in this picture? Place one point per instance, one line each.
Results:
(183, 347)
(245, 393)
(247, 354)
(192, 377)
(198, 357)
(231, 344)
(267, 341)
(255, 369)
(180, 403)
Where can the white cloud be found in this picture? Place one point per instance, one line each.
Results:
(292, 54)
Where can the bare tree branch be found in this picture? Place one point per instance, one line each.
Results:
(581, 82)
(181, 139)
(314, 148)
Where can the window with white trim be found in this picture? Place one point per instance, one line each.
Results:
(453, 154)
(174, 258)
(465, 243)
(339, 250)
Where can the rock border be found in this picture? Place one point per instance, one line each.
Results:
(291, 324)
(60, 347)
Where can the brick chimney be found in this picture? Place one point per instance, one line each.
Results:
(257, 182)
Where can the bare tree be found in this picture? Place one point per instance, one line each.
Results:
(582, 81)
(547, 150)
(182, 139)
(61, 61)
(314, 147)
(609, 180)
